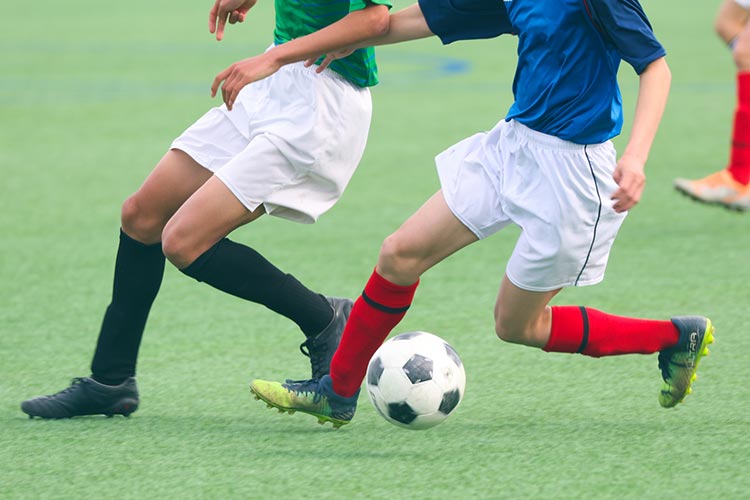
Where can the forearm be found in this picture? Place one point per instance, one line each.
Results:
(652, 99)
(369, 22)
(364, 28)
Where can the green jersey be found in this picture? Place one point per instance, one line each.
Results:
(295, 18)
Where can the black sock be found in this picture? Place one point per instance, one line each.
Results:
(241, 271)
(139, 270)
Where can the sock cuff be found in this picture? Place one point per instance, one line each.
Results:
(569, 331)
(125, 239)
(388, 296)
(743, 88)
(194, 269)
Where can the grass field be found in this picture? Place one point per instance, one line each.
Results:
(90, 99)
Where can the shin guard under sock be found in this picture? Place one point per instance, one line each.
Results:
(139, 270)
(595, 333)
(376, 312)
(241, 271)
(739, 162)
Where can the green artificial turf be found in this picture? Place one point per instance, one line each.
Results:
(91, 95)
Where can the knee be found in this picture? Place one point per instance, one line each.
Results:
(177, 247)
(138, 223)
(396, 262)
(741, 53)
(509, 330)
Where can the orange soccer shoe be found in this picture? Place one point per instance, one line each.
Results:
(719, 188)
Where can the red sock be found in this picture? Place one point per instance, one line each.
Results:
(594, 333)
(739, 162)
(376, 312)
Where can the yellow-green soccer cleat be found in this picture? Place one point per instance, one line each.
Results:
(679, 363)
(314, 397)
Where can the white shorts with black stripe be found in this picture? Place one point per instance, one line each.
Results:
(556, 191)
(291, 142)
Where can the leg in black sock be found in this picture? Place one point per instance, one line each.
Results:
(241, 271)
(139, 270)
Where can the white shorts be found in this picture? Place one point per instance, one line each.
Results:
(291, 142)
(556, 191)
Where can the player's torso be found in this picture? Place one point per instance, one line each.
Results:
(566, 79)
(296, 18)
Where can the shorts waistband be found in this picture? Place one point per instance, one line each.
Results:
(550, 141)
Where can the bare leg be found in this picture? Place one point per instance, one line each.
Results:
(521, 316)
(429, 236)
(174, 179)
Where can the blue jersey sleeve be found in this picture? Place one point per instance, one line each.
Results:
(453, 20)
(624, 24)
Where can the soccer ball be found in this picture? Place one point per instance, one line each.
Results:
(415, 380)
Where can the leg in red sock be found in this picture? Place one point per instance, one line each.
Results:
(595, 333)
(376, 312)
(739, 163)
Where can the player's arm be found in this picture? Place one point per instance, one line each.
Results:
(358, 25)
(629, 173)
(625, 26)
(233, 11)
(450, 20)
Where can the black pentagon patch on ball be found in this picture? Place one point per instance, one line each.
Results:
(450, 401)
(401, 412)
(452, 354)
(407, 336)
(375, 371)
(418, 369)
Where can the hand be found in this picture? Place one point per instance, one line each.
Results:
(630, 177)
(239, 74)
(233, 11)
(329, 58)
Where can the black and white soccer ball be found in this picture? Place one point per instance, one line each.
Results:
(415, 380)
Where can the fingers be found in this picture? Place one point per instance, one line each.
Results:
(212, 15)
(219, 78)
(230, 89)
(324, 63)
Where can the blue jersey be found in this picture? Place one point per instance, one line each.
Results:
(569, 52)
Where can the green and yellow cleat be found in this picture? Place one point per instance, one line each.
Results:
(314, 397)
(679, 363)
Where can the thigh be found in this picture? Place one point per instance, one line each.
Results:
(174, 179)
(210, 214)
(430, 235)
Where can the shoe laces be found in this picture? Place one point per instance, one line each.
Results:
(308, 348)
(304, 387)
(664, 366)
(73, 385)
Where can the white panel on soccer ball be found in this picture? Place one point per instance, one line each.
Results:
(377, 400)
(394, 354)
(427, 421)
(394, 386)
(425, 397)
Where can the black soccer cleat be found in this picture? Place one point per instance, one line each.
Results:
(321, 347)
(85, 396)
